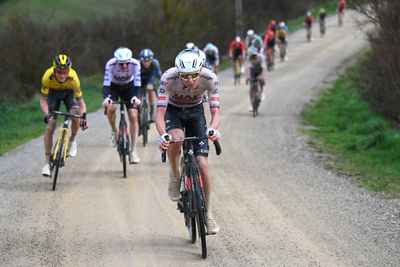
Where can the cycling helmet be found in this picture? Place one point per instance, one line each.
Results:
(146, 54)
(209, 46)
(308, 13)
(250, 32)
(62, 62)
(123, 55)
(322, 10)
(281, 24)
(190, 45)
(189, 61)
(237, 39)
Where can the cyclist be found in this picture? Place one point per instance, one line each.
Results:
(61, 83)
(271, 27)
(237, 50)
(322, 17)
(308, 20)
(340, 10)
(269, 43)
(254, 40)
(255, 69)
(149, 72)
(179, 105)
(282, 39)
(122, 79)
(212, 56)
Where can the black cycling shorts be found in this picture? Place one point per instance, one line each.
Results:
(125, 92)
(193, 121)
(55, 97)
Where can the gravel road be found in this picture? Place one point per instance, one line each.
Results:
(273, 199)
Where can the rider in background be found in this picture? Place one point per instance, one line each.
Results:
(237, 50)
(149, 72)
(255, 69)
(282, 38)
(322, 17)
(122, 79)
(212, 56)
(179, 105)
(61, 83)
(340, 10)
(308, 20)
(269, 43)
(254, 40)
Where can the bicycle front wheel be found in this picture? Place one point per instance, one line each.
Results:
(200, 214)
(58, 160)
(144, 120)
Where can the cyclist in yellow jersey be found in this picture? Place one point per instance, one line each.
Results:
(61, 83)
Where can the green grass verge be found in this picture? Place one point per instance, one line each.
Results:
(362, 142)
(21, 123)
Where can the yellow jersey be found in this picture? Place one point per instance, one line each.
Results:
(72, 82)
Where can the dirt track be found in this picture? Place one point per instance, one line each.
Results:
(275, 203)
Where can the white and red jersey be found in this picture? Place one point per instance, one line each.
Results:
(235, 45)
(114, 74)
(173, 91)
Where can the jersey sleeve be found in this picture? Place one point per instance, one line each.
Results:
(77, 85)
(137, 81)
(157, 69)
(213, 97)
(162, 98)
(107, 74)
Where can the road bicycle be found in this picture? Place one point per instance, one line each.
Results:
(123, 136)
(322, 27)
(192, 202)
(255, 95)
(270, 59)
(236, 70)
(308, 33)
(144, 122)
(282, 50)
(59, 153)
(340, 17)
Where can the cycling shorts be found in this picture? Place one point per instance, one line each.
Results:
(237, 53)
(55, 97)
(193, 121)
(125, 92)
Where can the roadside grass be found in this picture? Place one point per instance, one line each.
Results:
(361, 141)
(21, 123)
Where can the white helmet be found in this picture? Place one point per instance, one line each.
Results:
(189, 61)
(237, 38)
(281, 24)
(123, 55)
(250, 32)
(190, 45)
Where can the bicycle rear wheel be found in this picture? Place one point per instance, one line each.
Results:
(58, 160)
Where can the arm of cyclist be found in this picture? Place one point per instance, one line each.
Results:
(162, 101)
(215, 105)
(82, 110)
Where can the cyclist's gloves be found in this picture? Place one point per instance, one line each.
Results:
(83, 122)
(46, 118)
(107, 101)
(163, 141)
(136, 101)
(213, 134)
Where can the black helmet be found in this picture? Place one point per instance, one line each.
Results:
(62, 62)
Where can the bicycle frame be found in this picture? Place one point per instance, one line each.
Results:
(64, 130)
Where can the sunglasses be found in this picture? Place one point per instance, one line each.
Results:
(186, 76)
(62, 72)
(146, 60)
(122, 64)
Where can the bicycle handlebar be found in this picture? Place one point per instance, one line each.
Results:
(217, 146)
(67, 114)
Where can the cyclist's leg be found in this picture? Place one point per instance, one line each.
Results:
(133, 116)
(53, 103)
(73, 108)
(111, 112)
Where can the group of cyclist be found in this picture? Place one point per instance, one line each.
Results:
(178, 107)
(309, 19)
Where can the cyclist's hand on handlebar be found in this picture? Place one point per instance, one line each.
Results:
(136, 101)
(213, 134)
(83, 122)
(107, 101)
(163, 141)
(47, 118)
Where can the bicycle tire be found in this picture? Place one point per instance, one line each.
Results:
(145, 123)
(122, 146)
(58, 160)
(200, 214)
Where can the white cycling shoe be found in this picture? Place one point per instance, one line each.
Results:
(46, 170)
(73, 149)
